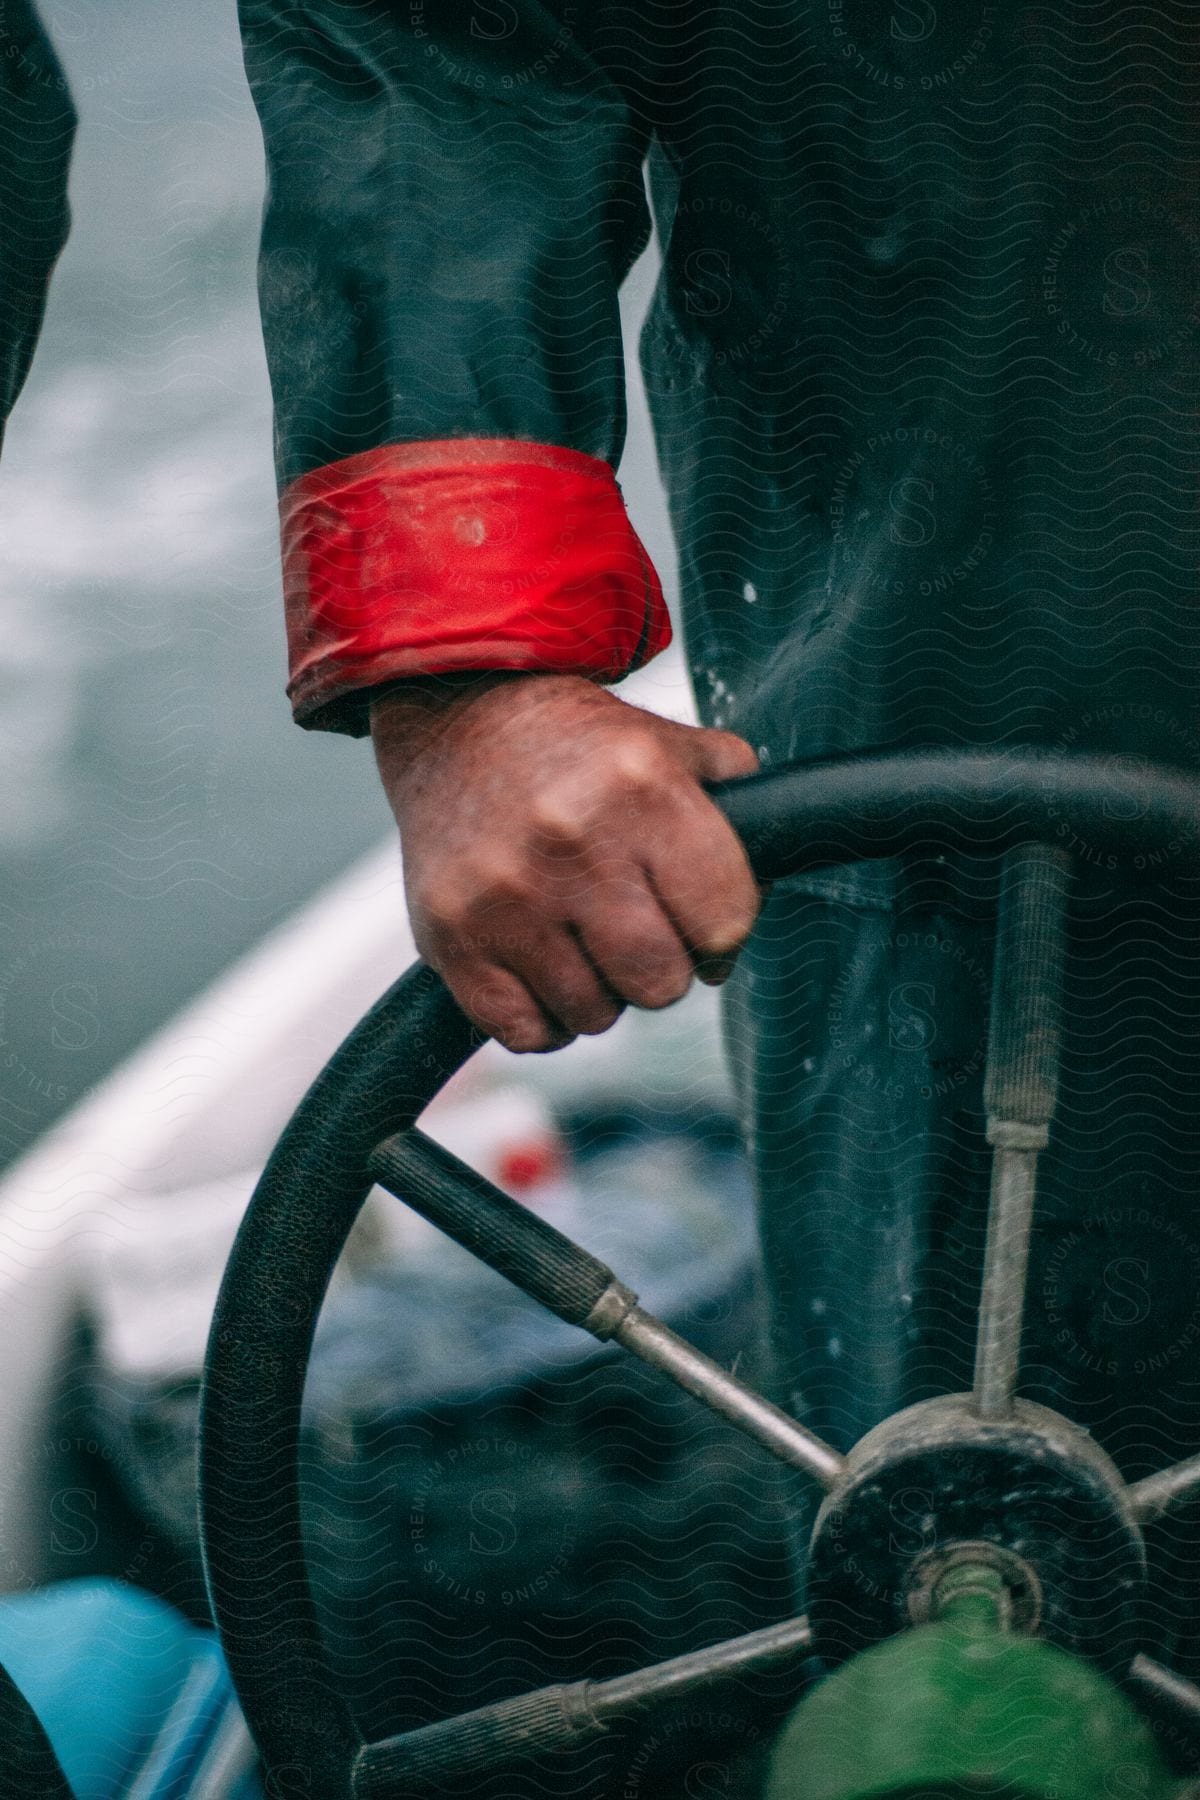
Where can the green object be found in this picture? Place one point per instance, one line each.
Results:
(961, 1708)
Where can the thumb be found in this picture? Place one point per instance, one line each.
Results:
(721, 755)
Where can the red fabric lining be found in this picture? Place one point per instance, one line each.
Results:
(460, 553)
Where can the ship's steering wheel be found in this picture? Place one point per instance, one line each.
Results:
(356, 1126)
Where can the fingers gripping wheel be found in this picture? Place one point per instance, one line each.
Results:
(355, 1125)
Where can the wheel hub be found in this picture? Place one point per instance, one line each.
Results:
(1032, 1494)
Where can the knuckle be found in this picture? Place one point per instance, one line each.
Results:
(598, 1018)
(498, 881)
(657, 986)
(502, 1015)
(660, 994)
(735, 752)
(443, 907)
(582, 1005)
(525, 1037)
(455, 904)
(722, 942)
(640, 763)
(485, 996)
(557, 820)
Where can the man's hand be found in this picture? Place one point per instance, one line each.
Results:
(560, 855)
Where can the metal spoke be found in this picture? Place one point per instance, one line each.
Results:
(655, 1343)
(1020, 1094)
(1156, 1494)
(1181, 1695)
(428, 1760)
(575, 1285)
(1006, 1262)
(755, 1654)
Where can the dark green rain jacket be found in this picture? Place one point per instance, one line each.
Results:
(922, 360)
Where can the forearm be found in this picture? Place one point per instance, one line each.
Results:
(441, 256)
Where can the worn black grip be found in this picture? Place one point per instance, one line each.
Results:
(502, 1233)
(847, 808)
(435, 1759)
(1021, 1082)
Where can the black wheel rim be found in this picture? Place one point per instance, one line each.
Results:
(397, 1059)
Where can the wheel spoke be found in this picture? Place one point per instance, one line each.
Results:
(1020, 1094)
(1170, 1487)
(1181, 1696)
(656, 1344)
(575, 1285)
(756, 1653)
(1006, 1260)
(429, 1760)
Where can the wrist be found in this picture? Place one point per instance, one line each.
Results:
(408, 716)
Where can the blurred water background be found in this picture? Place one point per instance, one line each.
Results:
(158, 809)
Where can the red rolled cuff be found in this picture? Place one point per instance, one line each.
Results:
(460, 553)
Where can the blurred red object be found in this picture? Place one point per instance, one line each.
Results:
(526, 1165)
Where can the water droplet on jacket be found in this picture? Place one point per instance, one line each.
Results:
(883, 249)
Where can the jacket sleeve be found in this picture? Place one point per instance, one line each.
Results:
(37, 129)
(454, 196)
